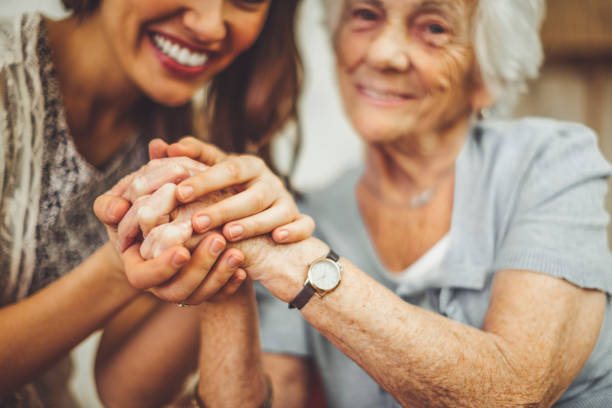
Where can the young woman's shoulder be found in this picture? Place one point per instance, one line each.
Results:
(18, 39)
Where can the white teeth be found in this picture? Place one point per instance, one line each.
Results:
(182, 55)
(380, 95)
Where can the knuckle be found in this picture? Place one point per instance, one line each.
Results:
(189, 139)
(259, 199)
(256, 162)
(152, 164)
(286, 213)
(309, 221)
(233, 169)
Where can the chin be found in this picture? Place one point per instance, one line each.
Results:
(379, 130)
(170, 98)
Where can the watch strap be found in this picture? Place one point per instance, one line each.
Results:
(308, 291)
(333, 256)
(303, 297)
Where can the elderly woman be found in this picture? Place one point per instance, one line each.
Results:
(473, 265)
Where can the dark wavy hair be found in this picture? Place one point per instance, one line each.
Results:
(253, 98)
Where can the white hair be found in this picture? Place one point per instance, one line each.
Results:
(506, 41)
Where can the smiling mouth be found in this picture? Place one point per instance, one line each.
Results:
(179, 53)
(385, 96)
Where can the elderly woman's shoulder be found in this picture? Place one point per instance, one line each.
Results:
(534, 130)
(539, 139)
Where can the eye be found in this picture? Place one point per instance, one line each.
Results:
(433, 31)
(436, 29)
(250, 4)
(365, 14)
(364, 18)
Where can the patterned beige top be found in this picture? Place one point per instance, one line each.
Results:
(47, 226)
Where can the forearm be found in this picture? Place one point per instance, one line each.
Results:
(231, 370)
(146, 354)
(419, 357)
(37, 331)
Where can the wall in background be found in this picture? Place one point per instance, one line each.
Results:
(566, 90)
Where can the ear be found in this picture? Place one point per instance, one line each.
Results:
(481, 97)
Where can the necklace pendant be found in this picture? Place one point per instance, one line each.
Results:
(422, 199)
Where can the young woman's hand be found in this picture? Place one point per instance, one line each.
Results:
(175, 274)
(261, 205)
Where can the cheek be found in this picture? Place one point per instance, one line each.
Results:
(350, 48)
(445, 72)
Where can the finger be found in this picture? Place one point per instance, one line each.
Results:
(163, 237)
(184, 283)
(282, 212)
(230, 287)
(230, 172)
(158, 149)
(219, 277)
(147, 274)
(241, 205)
(127, 229)
(147, 210)
(196, 149)
(121, 187)
(156, 207)
(110, 209)
(296, 231)
(160, 172)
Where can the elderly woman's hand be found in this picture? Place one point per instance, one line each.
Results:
(173, 274)
(262, 205)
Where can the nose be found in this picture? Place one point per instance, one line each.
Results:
(390, 50)
(206, 20)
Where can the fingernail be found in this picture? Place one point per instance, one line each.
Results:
(216, 247)
(179, 259)
(202, 222)
(233, 262)
(185, 192)
(282, 235)
(236, 231)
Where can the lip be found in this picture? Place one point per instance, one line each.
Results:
(173, 66)
(395, 99)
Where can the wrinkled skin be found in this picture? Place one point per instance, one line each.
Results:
(175, 230)
(156, 214)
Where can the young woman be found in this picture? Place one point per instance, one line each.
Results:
(80, 100)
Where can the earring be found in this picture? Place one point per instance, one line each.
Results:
(484, 113)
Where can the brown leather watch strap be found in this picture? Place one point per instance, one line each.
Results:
(308, 291)
(333, 256)
(303, 297)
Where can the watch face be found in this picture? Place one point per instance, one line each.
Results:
(324, 275)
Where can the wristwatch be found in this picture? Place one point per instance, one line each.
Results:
(324, 275)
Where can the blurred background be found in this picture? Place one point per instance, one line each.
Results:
(576, 85)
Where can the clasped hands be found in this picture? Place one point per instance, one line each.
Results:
(170, 221)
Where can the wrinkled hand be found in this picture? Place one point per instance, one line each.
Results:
(262, 204)
(152, 191)
(281, 269)
(174, 274)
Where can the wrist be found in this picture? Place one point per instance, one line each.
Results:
(114, 269)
